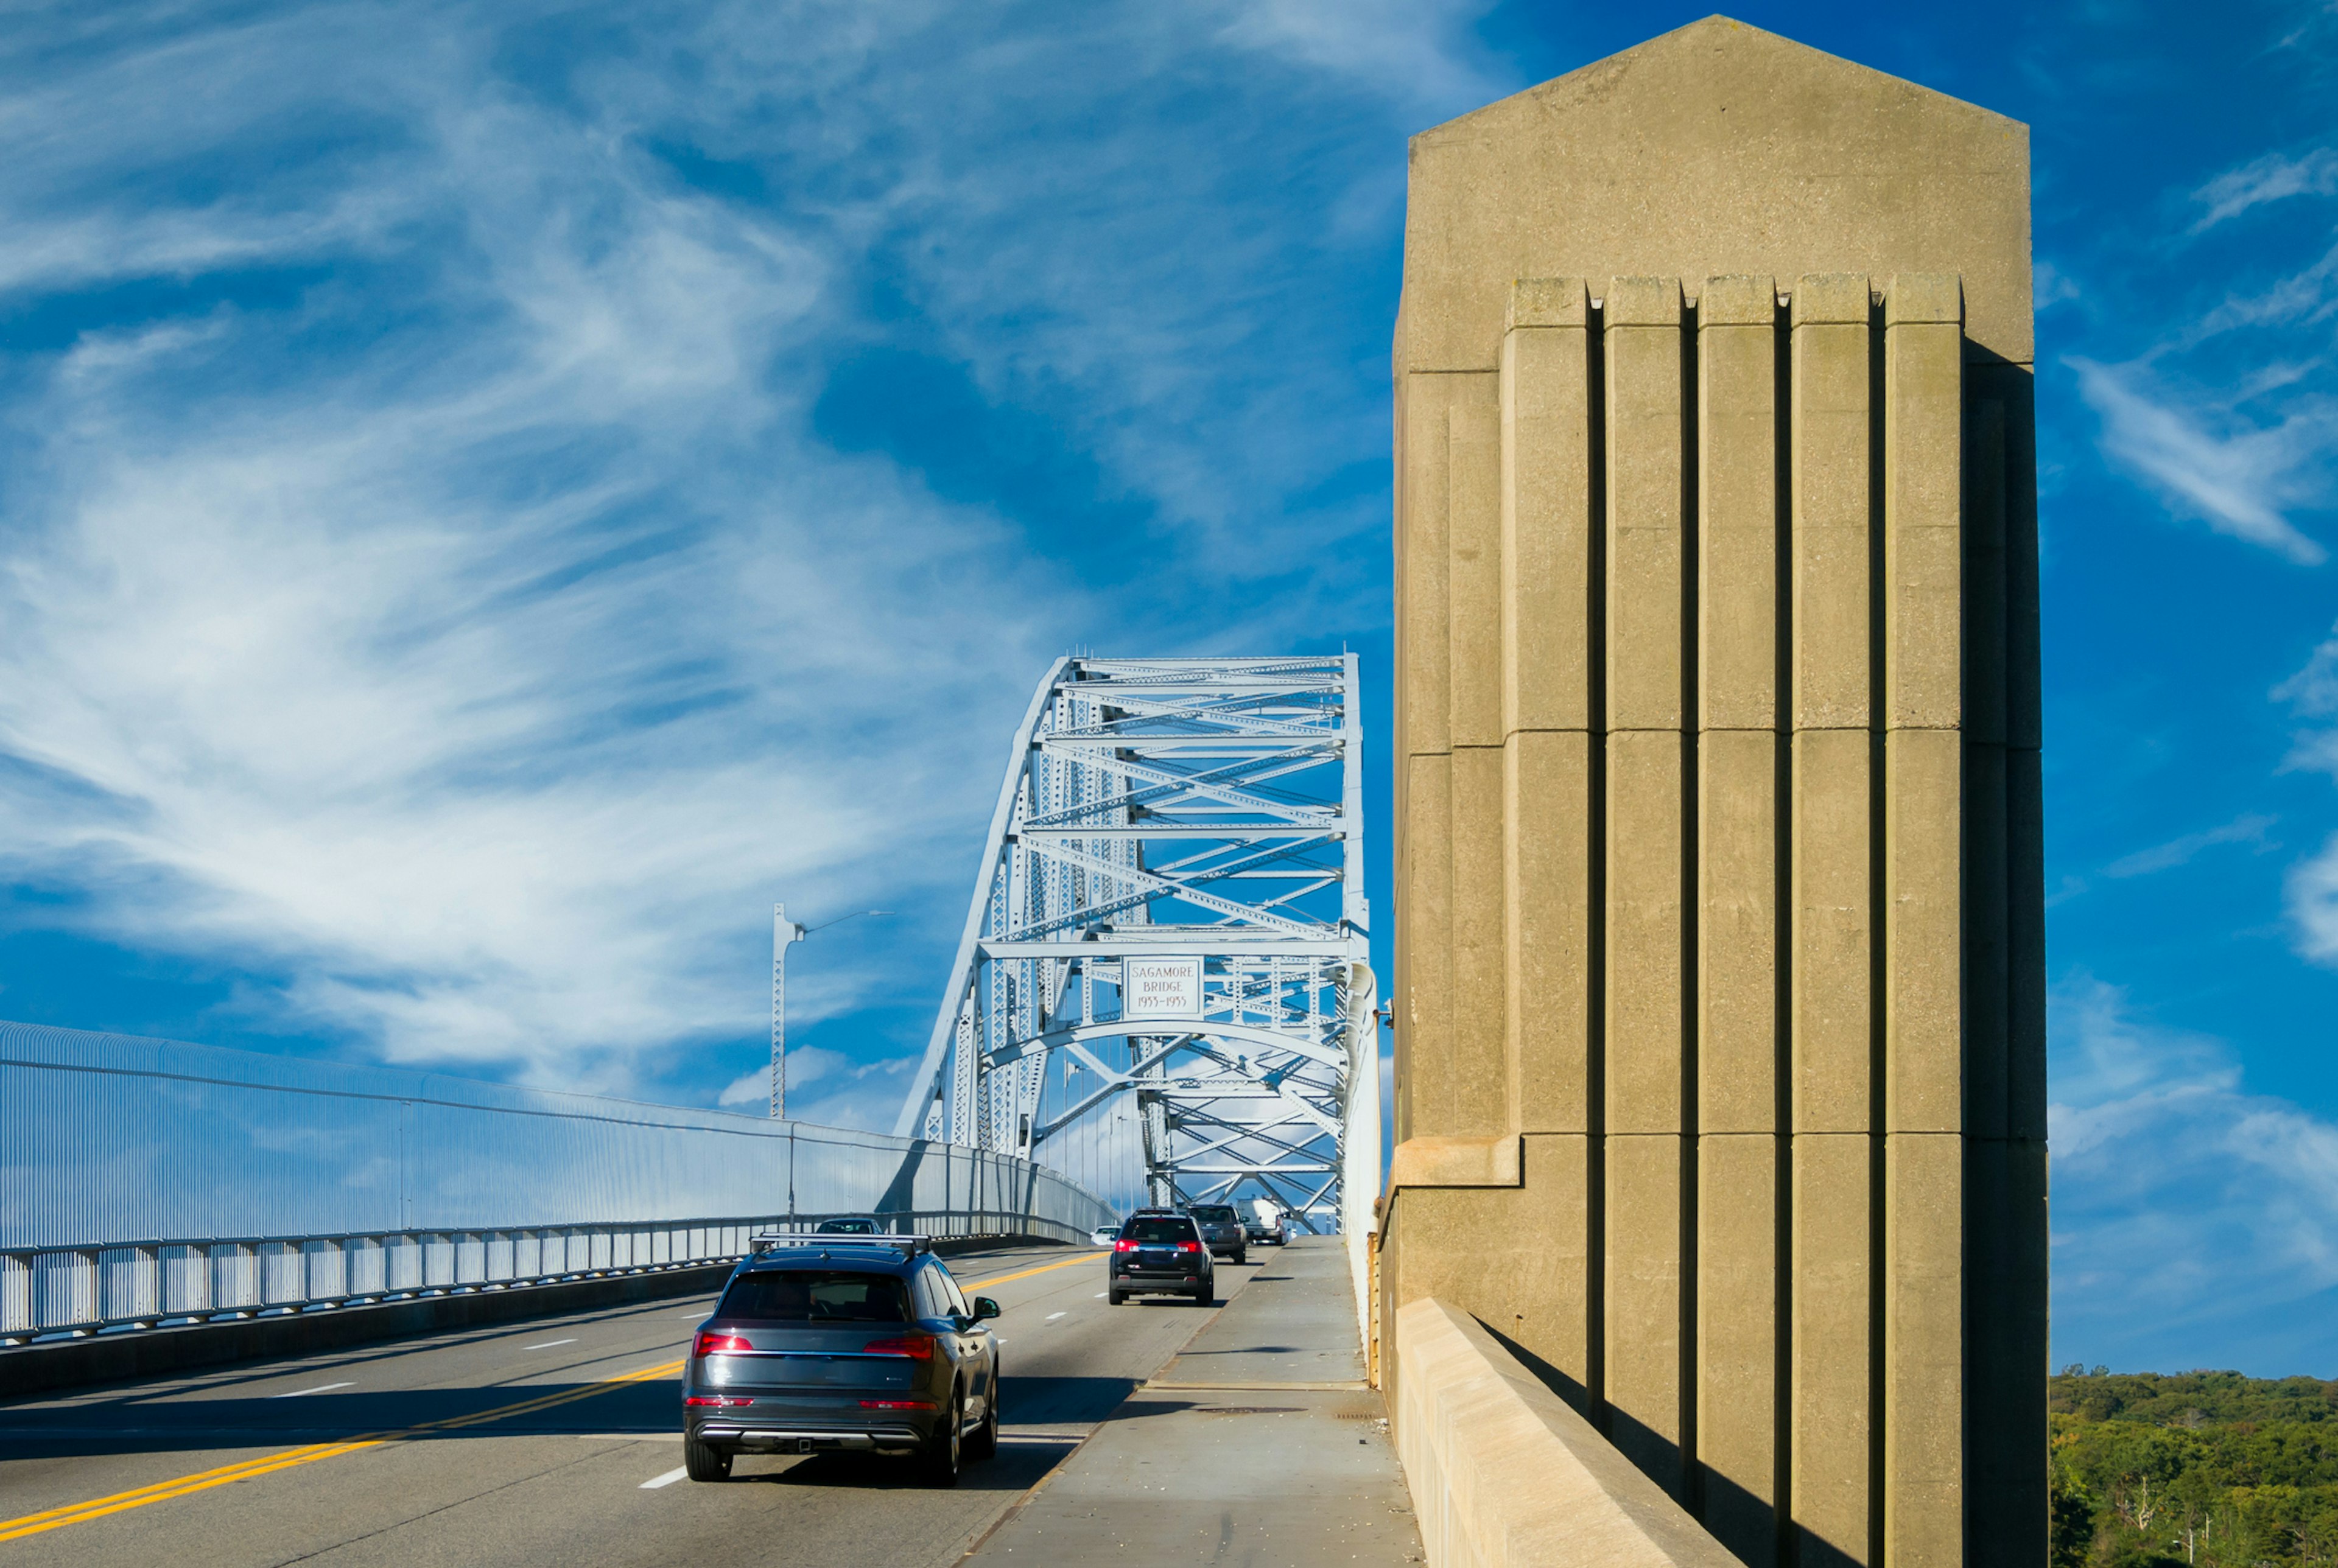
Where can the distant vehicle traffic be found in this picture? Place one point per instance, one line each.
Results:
(1266, 1224)
(822, 1342)
(1104, 1235)
(1160, 1251)
(846, 1228)
(1222, 1231)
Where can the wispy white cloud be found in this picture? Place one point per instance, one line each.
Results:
(2272, 178)
(2313, 690)
(454, 614)
(2245, 829)
(1421, 56)
(2188, 1210)
(2306, 296)
(828, 1087)
(2240, 483)
(2311, 890)
(2312, 898)
(2051, 286)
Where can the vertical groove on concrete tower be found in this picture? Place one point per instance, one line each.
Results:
(1738, 1044)
(1923, 710)
(1423, 757)
(1474, 639)
(1832, 922)
(1547, 522)
(1648, 810)
(1783, 1547)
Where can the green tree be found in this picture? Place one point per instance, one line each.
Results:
(2071, 1518)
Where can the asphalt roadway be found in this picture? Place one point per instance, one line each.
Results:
(552, 1442)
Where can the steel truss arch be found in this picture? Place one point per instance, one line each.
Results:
(1194, 826)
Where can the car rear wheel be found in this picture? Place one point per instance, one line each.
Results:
(704, 1461)
(1115, 1297)
(946, 1448)
(1201, 1295)
(1242, 1256)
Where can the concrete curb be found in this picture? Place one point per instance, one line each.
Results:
(156, 1352)
(1504, 1473)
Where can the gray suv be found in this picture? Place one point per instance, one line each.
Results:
(843, 1342)
(1222, 1231)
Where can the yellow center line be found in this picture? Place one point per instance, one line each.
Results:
(1042, 1268)
(203, 1481)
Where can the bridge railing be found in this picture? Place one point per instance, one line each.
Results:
(139, 1285)
(145, 1181)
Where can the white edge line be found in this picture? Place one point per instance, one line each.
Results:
(668, 1479)
(320, 1388)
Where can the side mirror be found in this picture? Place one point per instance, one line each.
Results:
(984, 1307)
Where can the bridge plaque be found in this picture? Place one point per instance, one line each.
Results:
(1160, 988)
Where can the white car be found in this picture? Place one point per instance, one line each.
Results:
(1104, 1235)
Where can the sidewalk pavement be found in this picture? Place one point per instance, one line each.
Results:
(1260, 1444)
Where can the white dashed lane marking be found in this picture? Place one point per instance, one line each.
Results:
(548, 1344)
(1053, 1316)
(320, 1388)
(668, 1479)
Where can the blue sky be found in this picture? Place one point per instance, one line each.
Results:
(491, 496)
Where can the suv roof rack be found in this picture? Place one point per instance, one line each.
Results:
(764, 1241)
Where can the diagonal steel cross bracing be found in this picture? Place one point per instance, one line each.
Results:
(1161, 988)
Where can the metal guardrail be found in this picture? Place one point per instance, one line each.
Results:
(148, 1181)
(79, 1290)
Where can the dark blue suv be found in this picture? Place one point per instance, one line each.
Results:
(843, 1342)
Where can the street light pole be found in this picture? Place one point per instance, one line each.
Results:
(785, 933)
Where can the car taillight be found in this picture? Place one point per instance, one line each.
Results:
(916, 1346)
(1189, 1246)
(1123, 1246)
(719, 1401)
(896, 1404)
(718, 1344)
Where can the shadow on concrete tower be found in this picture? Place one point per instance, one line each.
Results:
(1720, 1082)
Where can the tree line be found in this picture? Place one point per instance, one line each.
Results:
(2201, 1469)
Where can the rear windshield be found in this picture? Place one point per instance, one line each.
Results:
(1159, 1230)
(1216, 1214)
(817, 1296)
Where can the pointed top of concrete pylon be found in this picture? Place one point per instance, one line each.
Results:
(1714, 150)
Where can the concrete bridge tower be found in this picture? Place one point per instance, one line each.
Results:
(1720, 1085)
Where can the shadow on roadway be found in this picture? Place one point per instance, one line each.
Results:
(191, 1426)
(648, 1409)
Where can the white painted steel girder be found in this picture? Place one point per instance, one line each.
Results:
(1170, 918)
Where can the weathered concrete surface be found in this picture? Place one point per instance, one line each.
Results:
(1715, 150)
(1748, 326)
(1259, 1442)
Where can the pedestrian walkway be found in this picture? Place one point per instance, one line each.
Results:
(1259, 1444)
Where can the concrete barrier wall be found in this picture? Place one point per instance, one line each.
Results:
(1504, 1475)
